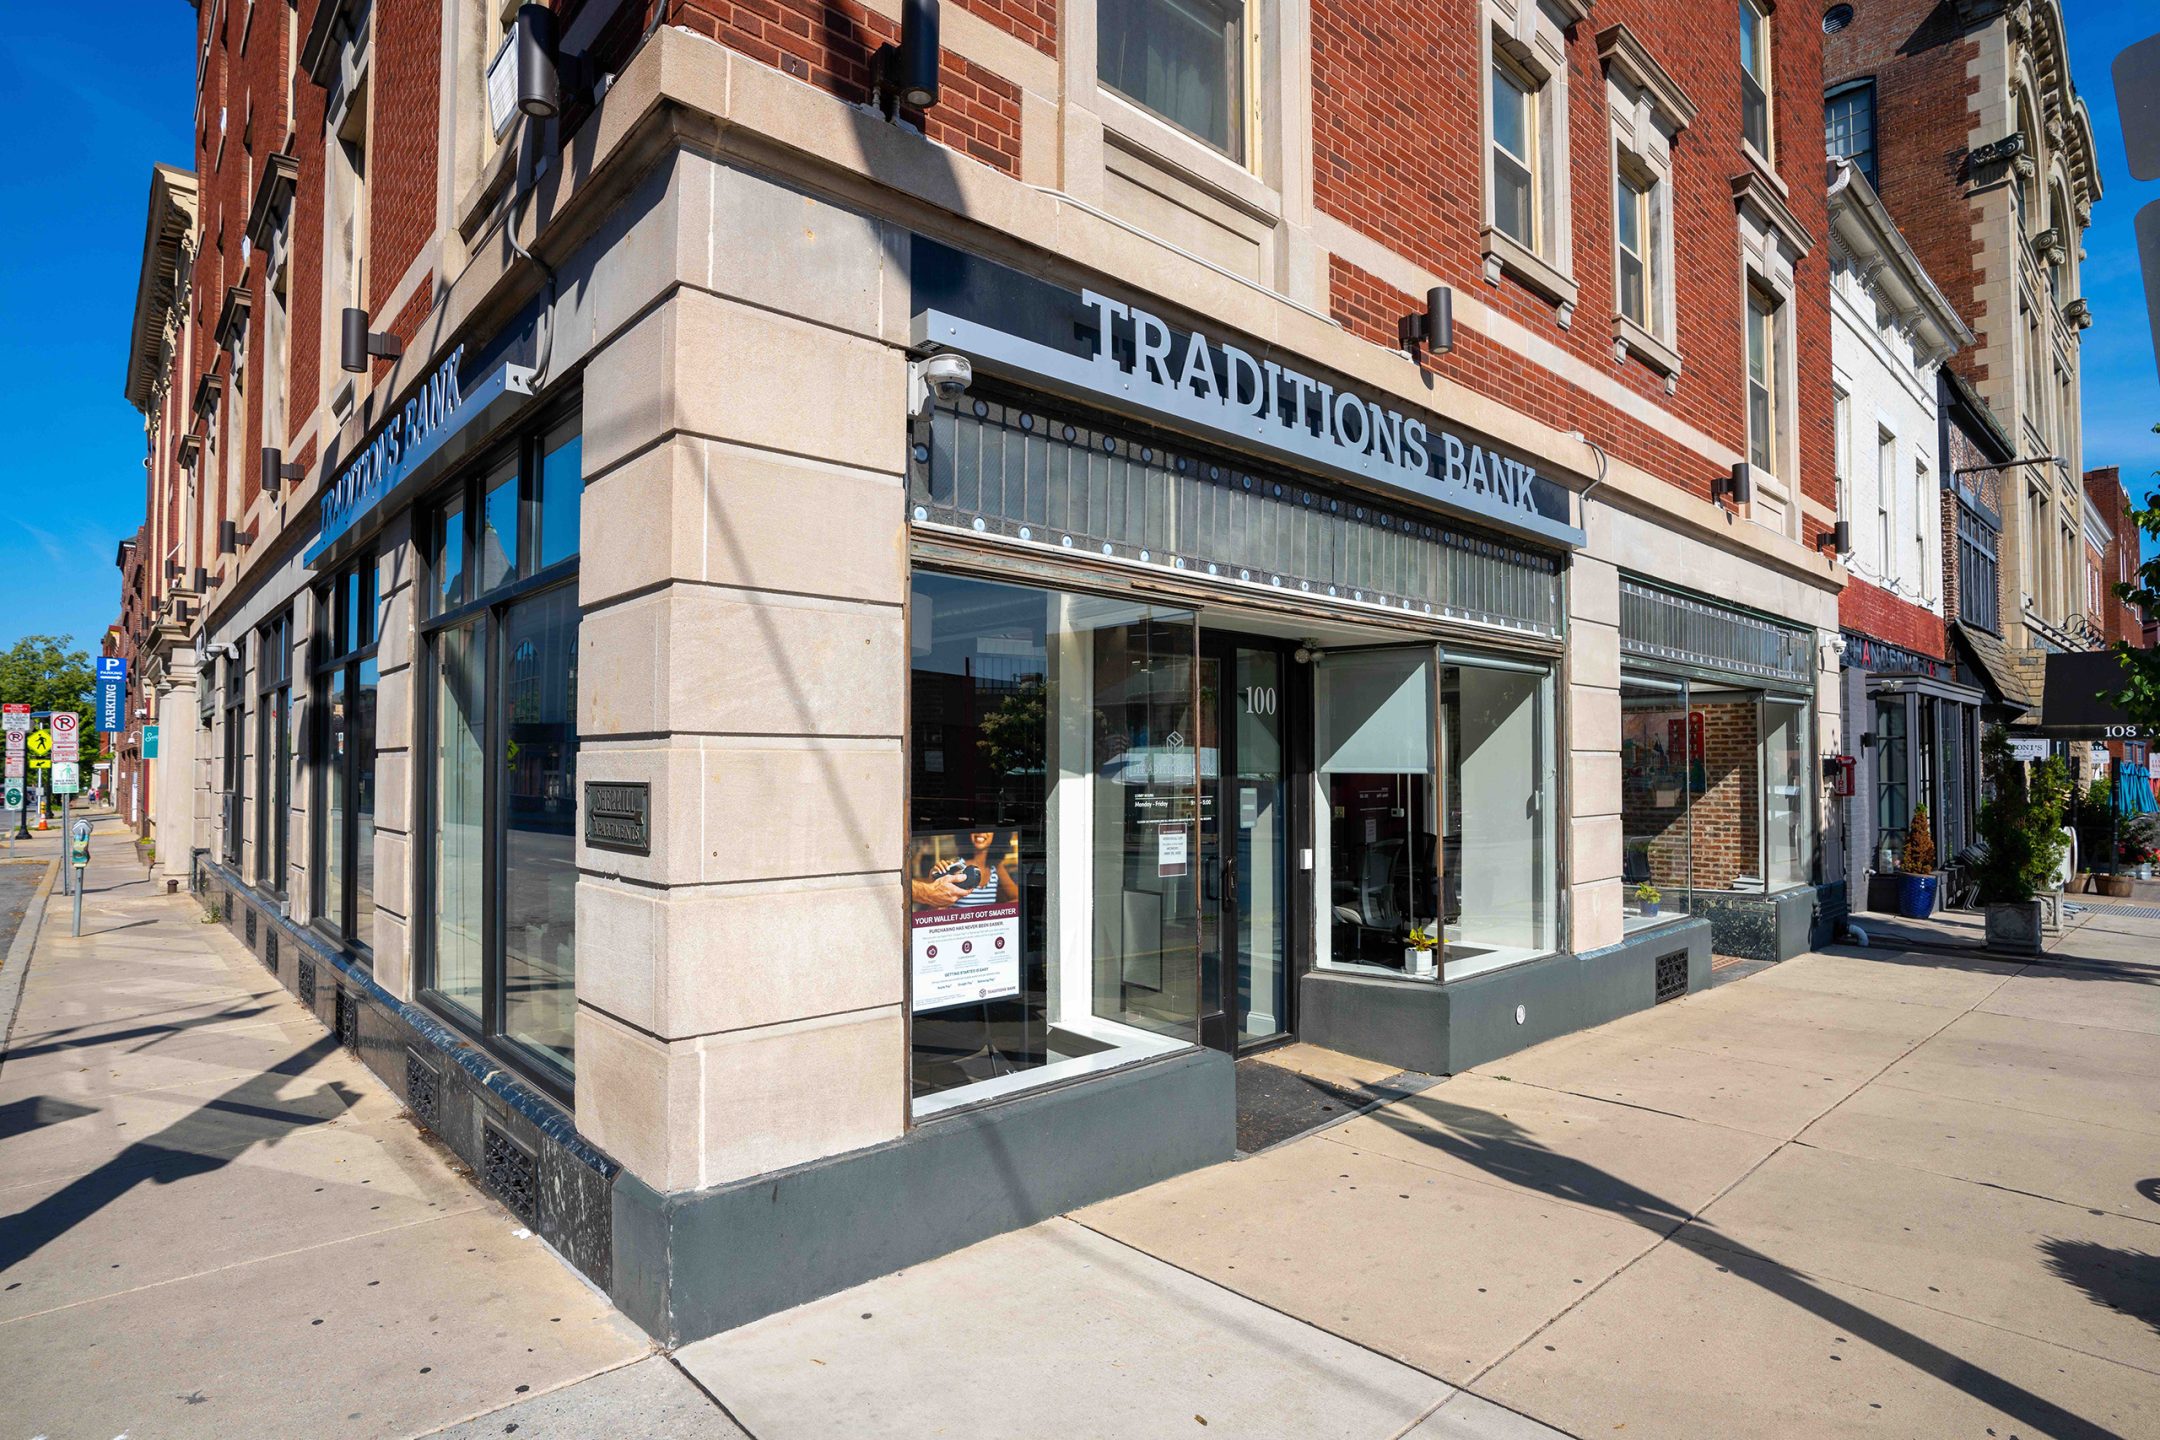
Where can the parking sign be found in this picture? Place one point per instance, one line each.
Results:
(66, 735)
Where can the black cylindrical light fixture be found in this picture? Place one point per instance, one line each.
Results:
(352, 342)
(1841, 537)
(1742, 484)
(275, 472)
(913, 64)
(1435, 327)
(538, 50)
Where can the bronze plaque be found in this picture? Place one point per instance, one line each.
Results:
(618, 816)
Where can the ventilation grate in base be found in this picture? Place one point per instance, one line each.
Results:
(270, 952)
(511, 1172)
(1671, 976)
(420, 1081)
(348, 1019)
(307, 983)
(251, 927)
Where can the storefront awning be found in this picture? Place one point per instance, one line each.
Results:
(2076, 705)
(1991, 658)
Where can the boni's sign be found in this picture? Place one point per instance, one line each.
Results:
(1117, 354)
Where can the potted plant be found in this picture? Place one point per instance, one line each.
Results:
(1420, 951)
(2021, 833)
(1647, 896)
(1916, 864)
(2139, 837)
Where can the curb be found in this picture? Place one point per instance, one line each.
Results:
(17, 963)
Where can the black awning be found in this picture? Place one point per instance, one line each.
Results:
(2075, 705)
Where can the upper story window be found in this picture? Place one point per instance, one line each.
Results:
(1631, 237)
(1849, 128)
(1647, 111)
(1765, 317)
(1755, 77)
(1885, 487)
(1526, 197)
(1183, 60)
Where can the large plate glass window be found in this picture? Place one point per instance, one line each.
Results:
(1181, 59)
(1662, 770)
(348, 625)
(273, 751)
(235, 750)
(499, 947)
(1052, 870)
(1461, 852)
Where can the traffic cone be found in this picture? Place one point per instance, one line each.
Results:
(41, 821)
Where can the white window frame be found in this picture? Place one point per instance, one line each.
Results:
(1772, 244)
(1529, 37)
(1647, 111)
(1765, 57)
(346, 211)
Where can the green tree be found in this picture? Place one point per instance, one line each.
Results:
(2021, 823)
(2139, 699)
(43, 672)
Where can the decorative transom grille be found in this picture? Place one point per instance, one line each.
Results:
(1028, 472)
(1660, 625)
(307, 983)
(420, 1081)
(511, 1173)
(348, 1019)
(1671, 976)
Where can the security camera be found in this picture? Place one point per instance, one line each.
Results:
(943, 376)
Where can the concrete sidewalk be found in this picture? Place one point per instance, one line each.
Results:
(1860, 1193)
(214, 1222)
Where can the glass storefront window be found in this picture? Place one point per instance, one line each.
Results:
(1788, 796)
(345, 672)
(1661, 771)
(1892, 782)
(1052, 871)
(1475, 866)
(500, 949)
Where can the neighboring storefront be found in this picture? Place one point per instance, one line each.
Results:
(1917, 722)
(1719, 778)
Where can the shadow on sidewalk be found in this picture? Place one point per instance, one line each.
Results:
(177, 1152)
(52, 1045)
(1502, 1149)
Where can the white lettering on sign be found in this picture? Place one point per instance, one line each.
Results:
(377, 467)
(1245, 387)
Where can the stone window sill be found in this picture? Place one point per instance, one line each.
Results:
(1504, 253)
(1762, 164)
(1630, 338)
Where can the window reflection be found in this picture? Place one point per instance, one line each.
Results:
(1051, 872)
(540, 873)
(460, 816)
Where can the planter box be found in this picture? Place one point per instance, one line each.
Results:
(1883, 888)
(2118, 886)
(2014, 929)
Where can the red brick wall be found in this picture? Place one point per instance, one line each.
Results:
(1918, 59)
(404, 84)
(1388, 169)
(1725, 819)
(1873, 611)
(2119, 619)
(1034, 21)
(828, 43)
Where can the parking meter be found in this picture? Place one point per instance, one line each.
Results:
(79, 857)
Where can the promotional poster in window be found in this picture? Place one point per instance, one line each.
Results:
(964, 916)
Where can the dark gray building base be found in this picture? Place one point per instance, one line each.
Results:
(689, 1265)
(1442, 1029)
(1771, 927)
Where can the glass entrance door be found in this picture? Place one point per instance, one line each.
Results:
(1244, 841)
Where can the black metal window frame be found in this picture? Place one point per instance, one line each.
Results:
(273, 750)
(235, 749)
(466, 496)
(341, 608)
(1978, 575)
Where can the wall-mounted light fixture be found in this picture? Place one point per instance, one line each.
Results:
(1434, 329)
(1839, 537)
(907, 73)
(275, 471)
(199, 582)
(358, 344)
(543, 71)
(1738, 487)
(228, 537)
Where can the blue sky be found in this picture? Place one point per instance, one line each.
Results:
(89, 108)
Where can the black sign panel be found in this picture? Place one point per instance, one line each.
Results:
(618, 816)
(2075, 705)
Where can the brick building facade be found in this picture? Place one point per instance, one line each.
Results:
(1199, 605)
